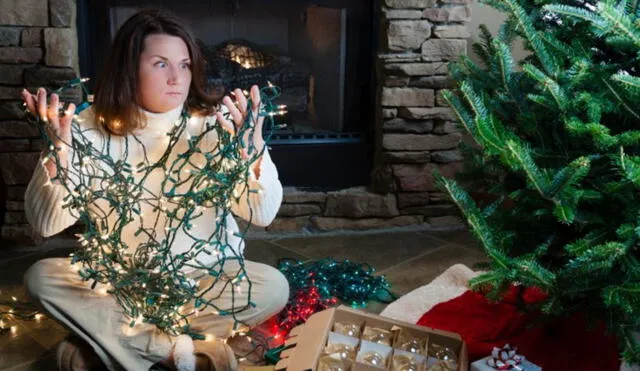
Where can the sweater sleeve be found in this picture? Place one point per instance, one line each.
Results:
(43, 204)
(265, 195)
(44, 199)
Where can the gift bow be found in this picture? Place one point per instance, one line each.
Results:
(505, 358)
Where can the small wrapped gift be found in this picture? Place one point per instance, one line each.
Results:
(504, 359)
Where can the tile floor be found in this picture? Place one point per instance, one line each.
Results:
(408, 258)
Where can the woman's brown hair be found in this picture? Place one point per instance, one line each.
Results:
(115, 102)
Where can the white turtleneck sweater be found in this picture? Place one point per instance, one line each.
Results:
(44, 199)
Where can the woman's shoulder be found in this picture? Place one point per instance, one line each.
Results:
(88, 124)
(86, 117)
(200, 120)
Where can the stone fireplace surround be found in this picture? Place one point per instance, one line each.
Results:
(414, 130)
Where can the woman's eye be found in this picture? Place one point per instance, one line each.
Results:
(161, 64)
(186, 66)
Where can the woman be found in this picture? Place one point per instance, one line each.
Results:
(154, 71)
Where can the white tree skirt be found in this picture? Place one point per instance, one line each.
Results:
(450, 284)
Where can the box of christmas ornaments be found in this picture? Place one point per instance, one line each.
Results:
(345, 339)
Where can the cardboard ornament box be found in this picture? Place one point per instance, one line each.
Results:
(306, 343)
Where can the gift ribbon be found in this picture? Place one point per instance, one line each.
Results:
(505, 358)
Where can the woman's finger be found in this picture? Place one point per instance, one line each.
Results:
(226, 125)
(42, 104)
(29, 101)
(64, 128)
(233, 110)
(65, 121)
(242, 102)
(52, 107)
(255, 97)
(255, 105)
(52, 110)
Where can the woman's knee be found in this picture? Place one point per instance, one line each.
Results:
(278, 288)
(35, 278)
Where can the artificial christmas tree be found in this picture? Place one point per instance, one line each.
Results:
(558, 149)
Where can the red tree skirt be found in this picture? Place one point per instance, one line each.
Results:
(562, 344)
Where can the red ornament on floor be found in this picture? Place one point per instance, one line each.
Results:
(556, 344)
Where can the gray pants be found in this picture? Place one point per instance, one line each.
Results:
(98, 319)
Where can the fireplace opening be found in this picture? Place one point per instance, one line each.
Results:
(321, 54)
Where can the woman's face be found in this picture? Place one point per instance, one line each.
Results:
(164, 74)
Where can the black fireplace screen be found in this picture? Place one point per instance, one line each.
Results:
(241, 64)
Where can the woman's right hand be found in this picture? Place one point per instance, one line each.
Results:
(58, 127)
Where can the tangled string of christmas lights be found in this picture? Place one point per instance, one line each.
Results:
(321, 284)
(149, 281)
(16, 309)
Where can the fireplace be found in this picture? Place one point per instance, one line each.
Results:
(320, 54)
(398, 126)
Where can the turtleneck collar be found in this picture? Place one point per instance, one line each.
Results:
(159, 123)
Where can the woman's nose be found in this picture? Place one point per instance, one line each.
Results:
(174, 77)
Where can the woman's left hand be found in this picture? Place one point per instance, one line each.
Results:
(238, 111)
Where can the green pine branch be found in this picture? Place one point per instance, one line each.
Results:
(630, 83)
